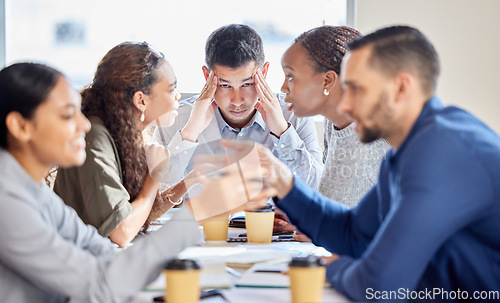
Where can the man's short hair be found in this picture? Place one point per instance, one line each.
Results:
(234, 46)
(401, 48)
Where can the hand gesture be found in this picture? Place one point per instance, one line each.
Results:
(269, 106)
(331, 259)
(203, 110)
(281, 223)
(157, 157)
(300, 237)
(228, 191)
(256, 159)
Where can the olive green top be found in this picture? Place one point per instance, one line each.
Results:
(95, 189)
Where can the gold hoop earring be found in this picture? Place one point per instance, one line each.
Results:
(142, 115)
(326, 92)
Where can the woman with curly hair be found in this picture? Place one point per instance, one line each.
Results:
(114, 190)
(47, 254)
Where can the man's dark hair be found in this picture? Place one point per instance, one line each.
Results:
(234, 46)
(402, 48)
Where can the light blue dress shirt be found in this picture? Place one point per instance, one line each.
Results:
(297, 147)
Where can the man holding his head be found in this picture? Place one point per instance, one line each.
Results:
(236, 103)
(428, 230)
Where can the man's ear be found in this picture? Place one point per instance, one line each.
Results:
(206, 72)
(265, 69)
(330, 79)
(403, 86)
(19, 127)
(139, 100)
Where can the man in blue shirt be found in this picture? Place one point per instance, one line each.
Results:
(236, 103)
(429, 229)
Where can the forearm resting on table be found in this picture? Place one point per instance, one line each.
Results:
(141, 207)
(176, 192)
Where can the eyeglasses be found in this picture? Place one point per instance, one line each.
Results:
(153, 51)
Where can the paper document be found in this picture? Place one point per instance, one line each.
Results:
(265, 275)
(241, 254)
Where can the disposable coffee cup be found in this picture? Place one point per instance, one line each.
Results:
(215, 228)
(182, 281)
(259, 224)
(307, 279)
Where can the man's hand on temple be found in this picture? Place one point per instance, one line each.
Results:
(202, 112)
(269, 106)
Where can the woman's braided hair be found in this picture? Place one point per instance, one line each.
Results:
(326, 45)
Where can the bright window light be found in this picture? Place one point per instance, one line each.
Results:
(74, 35)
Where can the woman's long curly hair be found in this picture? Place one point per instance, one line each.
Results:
(127, 68)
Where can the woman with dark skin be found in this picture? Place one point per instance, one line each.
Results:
(312, 86)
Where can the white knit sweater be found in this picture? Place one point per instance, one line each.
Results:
(351, 167)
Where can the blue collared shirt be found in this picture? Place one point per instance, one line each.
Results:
(431, 221)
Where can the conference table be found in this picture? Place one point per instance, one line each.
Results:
(244, 272)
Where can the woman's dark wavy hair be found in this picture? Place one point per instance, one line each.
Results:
(127, 68)
(23, 87)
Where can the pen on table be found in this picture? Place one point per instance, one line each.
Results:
(211, 293)
(233, 272)
(275, 271)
